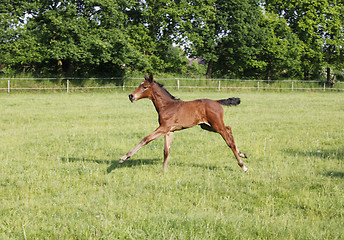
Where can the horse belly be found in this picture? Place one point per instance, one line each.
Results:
(190, 114)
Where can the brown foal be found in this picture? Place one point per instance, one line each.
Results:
(175, 114)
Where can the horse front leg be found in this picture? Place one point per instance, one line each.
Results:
(154, 135)
(167, 148)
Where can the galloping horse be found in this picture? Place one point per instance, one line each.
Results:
(175, 115)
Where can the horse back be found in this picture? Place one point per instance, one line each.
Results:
(191, 113)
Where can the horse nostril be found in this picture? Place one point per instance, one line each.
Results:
(131, 98)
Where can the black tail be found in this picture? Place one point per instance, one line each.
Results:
(229, 101)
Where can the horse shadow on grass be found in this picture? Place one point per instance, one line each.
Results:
(140, 162)
(114, 163)
(320, 153)
(334, 174)
(324, 154)
(210, 167)
(131, 163)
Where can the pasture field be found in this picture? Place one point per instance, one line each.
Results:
(60, 178)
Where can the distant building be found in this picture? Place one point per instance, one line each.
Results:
(198, 60)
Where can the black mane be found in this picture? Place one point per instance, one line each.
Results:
(162, 87)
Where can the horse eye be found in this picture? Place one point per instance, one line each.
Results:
(144, 87)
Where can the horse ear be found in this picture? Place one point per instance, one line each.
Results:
(151, 80)
(146, 78)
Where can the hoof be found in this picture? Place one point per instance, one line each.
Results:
(123, 159)
(245, 169)
(243, 155)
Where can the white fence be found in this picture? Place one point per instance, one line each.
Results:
(66, 84)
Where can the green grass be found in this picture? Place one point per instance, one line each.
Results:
(60, 178)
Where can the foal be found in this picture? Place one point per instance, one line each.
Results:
(175, 114)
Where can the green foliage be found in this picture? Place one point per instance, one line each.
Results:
(175, 60)
(196, 70)
(197, 24)
(238, 21)
(319, 25)
(236, 38)
(280, 50)
(73, 37)
(255, 43)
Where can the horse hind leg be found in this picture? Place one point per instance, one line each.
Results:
(226, 133)
(237, 156)
(236, 152)
(228, 137)
(229, 130)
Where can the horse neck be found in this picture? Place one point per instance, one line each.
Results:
(161, 98)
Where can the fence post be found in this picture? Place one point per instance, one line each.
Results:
(67, 86)
(123, 84)
(178, 84)
(8, 85)
(258, 86)
(219, 85)
(292, 86)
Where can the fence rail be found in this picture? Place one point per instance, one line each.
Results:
(67, 84)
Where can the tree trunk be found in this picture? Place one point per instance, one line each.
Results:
(59, 68)
(306, 75)
(269, 76)
(328, 77)
(70, 68)
(209, 69)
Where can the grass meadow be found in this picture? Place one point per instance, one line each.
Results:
(59, 176)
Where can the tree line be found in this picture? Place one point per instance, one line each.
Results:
(235, 38)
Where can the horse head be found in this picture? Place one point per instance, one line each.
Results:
(144, 90)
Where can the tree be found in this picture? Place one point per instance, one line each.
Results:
(237, 39)
(234, 37)
(17, 46)
(240, 37)
(69, 36)
(280, 50)
(319, 25)
(83, 36)
(152, 26)
(175, 60)
(333, 38)
(197, 26)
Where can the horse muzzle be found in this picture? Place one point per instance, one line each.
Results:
(131, 98)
